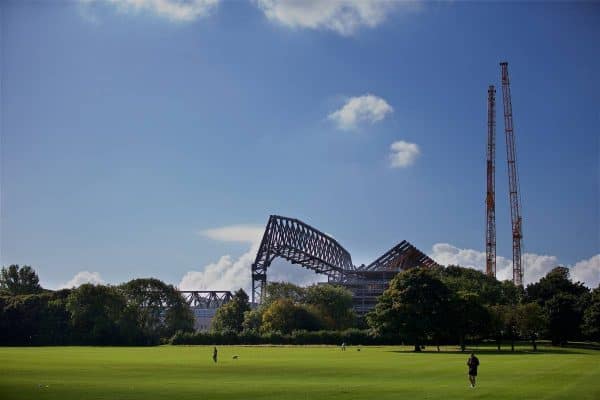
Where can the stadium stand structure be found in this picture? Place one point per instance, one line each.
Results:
(204, 305)
(300, 243)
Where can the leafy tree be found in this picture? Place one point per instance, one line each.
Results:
(284, 290)
(497, 327)
(564, 317)
(252, 320)
(563, 301)
(511, 293)
(98, 314)
(333, 303)
(510, 324)
(230, 316)
(285, 316)
(35, 319)
(413, 307)
(159, 308)
(591, 317)
(486, 288)
(556, 281)
(469, 316)
(531, 321)
(55, 319)
(17, 280)
(20, 319)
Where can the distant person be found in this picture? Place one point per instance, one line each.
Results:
(214, 354)
(344, 346)
(473, 363)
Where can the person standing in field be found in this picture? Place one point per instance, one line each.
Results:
(473, 363)
(344, 346)
(214, 354)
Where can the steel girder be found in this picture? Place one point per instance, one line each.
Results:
(206, 298)
(301, 244)
(400, 257)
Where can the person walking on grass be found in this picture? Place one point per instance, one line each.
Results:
(214, 354)
(473, 363)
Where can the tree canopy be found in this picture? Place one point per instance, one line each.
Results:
(230, 316)
(16, 280)
(413, 307)
(160, 309)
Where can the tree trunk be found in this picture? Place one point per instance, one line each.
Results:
(512, 343)
(498, 342)
(534, 343)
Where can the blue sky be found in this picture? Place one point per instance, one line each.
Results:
(155, 137)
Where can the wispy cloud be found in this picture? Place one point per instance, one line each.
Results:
(344, 17)
(535, 266)
(173, 10)
(83, 277)
(403, 154)
(367, 108)
(235, 233)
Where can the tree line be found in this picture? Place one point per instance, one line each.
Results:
(139, 312)
(446, 305)
(451, 305)
(454, 305)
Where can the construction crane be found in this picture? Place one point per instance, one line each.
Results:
(490, 200)
(513, 178)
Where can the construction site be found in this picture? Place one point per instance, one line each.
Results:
(306, 246)
(303, 245)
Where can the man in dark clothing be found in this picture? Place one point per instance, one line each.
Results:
(473, 363)
(215, 354)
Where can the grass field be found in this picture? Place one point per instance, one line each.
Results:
(188, 372)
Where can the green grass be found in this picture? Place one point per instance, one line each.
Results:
(188, 372)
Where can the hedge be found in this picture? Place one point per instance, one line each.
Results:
(350, 337)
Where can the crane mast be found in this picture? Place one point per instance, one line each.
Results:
(513, 178)
(490, 201)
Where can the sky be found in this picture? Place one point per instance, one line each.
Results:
(153, 138)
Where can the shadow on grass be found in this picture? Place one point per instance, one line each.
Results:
(521, 347)
(495, 352)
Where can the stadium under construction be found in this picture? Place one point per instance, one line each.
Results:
(300, 243)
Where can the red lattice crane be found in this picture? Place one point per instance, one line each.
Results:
(513, 178)
(490, 200)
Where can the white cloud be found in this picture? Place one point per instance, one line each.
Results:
(83, 277)
(366, 108)
(403, 154)
(236, 233)
(174, 10)
(535, 266)
(587, 271)
(342, 16)
(228, 273)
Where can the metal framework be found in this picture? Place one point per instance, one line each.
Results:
(206, 299)
(490, 200)
(513, 178)
(302, 244)
(400, 257)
